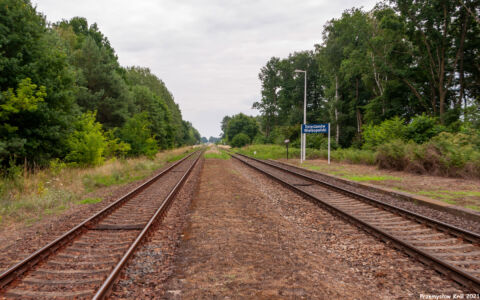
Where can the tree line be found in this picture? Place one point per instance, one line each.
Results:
(64, 95)
(404, 58)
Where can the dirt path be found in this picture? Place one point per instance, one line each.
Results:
(250, 238)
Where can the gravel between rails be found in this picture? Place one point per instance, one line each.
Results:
(18, 244)
(146, 273)
(420, 209)
(249, 237)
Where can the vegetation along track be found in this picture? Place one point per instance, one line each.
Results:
(86, 261)
(450, 250)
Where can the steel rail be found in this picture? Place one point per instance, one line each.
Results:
(21, 267)
(439, 225)
(107, 285)
(448, 269)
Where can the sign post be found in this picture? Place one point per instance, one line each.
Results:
(328, 143)
(286, 144)
(317, 128)
(301, 144)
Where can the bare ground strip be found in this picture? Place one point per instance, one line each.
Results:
(248, 237)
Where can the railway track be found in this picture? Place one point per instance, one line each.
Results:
(86, 261)
(450, 250)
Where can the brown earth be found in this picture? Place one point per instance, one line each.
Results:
(249, 237)
(459, 191)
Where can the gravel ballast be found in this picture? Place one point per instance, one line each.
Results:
(249, 237)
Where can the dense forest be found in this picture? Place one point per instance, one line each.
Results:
(64, 95)
(407, 72)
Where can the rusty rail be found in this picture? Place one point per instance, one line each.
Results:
(111, 279)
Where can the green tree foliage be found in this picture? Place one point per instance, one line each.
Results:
(87, 143)
(191, 135)
(137, 133)
(241, 123)
(240, 140)
(51, 74)
(25, 98)
(28, 49)
(387, 131)
(408, 59)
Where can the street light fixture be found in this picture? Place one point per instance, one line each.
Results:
(303, 136)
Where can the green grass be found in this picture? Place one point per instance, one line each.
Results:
(355, 156)
(371, 178)
(90, 201)
(221, 155)
(445, 195)
(474, 207)
(92, 182)
(463, 193)
(269, 151)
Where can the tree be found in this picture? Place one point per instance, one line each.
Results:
(240, 140)
(29, 50)
(137, 133)
(241, 123)
(431, 28)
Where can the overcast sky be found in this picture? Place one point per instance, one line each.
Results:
(208, 52)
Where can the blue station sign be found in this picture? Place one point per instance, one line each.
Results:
(315, 128)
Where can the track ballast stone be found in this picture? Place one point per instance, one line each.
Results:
(249, 237)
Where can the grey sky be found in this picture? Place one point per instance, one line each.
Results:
(208, 52)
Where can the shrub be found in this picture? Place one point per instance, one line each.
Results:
(240, 140)
(87, 143)
(137, 132)
(375, 135)
(392, 155)
(422, 128)
(115, 147)
(446, 154)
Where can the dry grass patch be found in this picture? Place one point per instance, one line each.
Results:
(27, 198)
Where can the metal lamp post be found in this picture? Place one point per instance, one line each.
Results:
(303, 138)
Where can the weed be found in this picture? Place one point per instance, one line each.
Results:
(25, 199)
(213, 155)
(277, 152)
(474, 207)
(90, 201)
(371, 178)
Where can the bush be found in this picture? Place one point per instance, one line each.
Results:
(392, 155)
(87, 143)
(422, 128)
(116, 147)
(446, 154)
(393, 129)
(240, 140)
(137, 132)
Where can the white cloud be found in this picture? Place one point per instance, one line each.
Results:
(208, 52)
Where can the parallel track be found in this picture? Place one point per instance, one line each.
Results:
(86, 261)
(450, 250)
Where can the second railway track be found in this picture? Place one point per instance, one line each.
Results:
(450, 250)
(86, 261)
